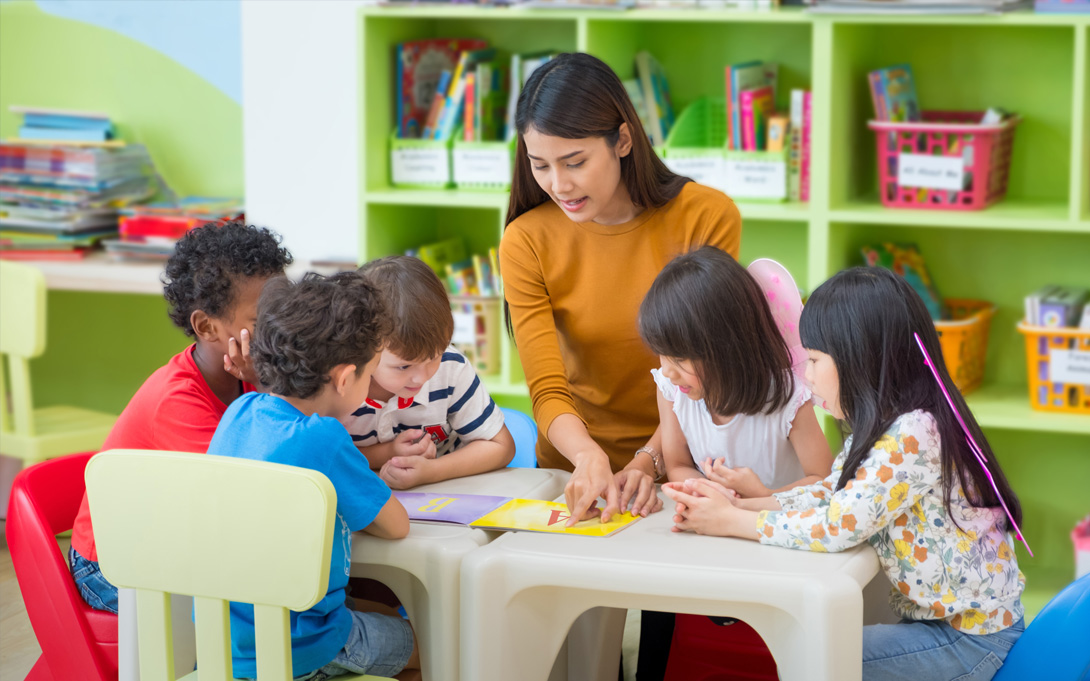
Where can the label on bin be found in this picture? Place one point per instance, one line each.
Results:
(751, 179)
(931, 172)
(482, 166)
(1069, 366)
(465, 328)
(419, 166)
(706, 170)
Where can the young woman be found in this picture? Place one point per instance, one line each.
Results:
(594, 216)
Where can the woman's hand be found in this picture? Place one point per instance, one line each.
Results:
(703, 507)
(591, 479)
(742, 480)
(637, 488)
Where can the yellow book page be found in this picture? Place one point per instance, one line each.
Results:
(548, 516)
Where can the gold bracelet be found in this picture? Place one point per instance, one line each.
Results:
(656, 460)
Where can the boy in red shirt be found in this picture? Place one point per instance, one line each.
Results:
(212, 284)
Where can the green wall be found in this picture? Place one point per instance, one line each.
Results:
(101, 347)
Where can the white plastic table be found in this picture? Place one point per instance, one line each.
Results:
(522, 592)
(424, 569)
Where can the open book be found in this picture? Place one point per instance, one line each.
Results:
(505, 513)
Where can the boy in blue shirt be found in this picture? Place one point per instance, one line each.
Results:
(315, 347)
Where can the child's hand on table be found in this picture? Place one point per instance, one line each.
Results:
(742, 480)
(237, 361)
(405, 472)
(638, 489)
(703, 506)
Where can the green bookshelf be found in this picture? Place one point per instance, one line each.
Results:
(1036, 65)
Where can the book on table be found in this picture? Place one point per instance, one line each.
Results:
(505, 513)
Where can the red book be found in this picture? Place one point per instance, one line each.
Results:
(62, 254)
(468, 127)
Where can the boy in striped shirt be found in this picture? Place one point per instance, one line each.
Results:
(427, 416)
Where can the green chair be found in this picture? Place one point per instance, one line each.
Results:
(27, 433)
(200, 525)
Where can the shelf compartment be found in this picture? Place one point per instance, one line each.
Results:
(1028, 70)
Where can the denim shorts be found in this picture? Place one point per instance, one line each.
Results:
(92, 586)
(910, 651)
(378, 644)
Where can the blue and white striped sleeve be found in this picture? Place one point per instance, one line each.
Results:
(471, 412)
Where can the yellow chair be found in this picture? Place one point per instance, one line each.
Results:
(27, 433)
(201, 526)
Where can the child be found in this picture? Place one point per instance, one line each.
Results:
(213, 281)
(906, 482)
(317, 343)
(729, 407)
(425, 401)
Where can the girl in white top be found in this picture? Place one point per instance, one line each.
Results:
(730, 408)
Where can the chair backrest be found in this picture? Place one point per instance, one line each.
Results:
(22, 338)
(194, 524)
(1050, 647)
(44, 501)
(524, 431)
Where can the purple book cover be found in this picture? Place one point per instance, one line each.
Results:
(460, 509)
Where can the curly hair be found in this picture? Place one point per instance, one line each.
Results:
(422, 323)
(305, 329)
(209, 261)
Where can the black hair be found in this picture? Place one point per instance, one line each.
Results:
(208, 263)
(864, 319)
(706, 308)
(305, 329)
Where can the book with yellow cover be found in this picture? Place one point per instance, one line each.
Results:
(504, 513)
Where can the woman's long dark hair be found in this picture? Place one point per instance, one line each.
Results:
(706, 308)
(577, 96)
(864, 318)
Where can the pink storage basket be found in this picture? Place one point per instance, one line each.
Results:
(984, 150)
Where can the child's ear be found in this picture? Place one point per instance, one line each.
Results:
(204, 327)
(340, 376)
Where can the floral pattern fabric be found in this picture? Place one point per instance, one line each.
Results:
(965, 573)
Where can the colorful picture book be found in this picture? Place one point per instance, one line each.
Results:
(750, 75)
(656, 97)
(505, 513)
(906, 261)
(420, 63)
(893, 93)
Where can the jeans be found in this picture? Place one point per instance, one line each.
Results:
(378, 644)
(933, 650)
(92, 586)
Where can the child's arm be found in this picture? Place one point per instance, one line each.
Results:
(411, 442)
(810, 446)
(392, 522)
(479, 456)
(675, 450)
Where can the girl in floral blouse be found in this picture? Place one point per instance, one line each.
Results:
(906, 482)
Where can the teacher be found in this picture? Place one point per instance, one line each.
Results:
(594, 216)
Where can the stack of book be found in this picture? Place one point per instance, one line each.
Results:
(905, 7)
(149, 232)
(1058, 306)
(56, 126)
(57, 200)
(463, 275)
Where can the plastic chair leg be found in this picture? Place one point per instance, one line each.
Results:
(40, 671)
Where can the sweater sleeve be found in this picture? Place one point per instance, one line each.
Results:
(531, 313)
(724, 228)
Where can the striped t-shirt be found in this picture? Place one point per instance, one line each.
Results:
(453, 407)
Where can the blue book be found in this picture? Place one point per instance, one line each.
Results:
(44, 120)
(29, 132)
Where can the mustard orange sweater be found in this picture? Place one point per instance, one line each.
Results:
(574, 291)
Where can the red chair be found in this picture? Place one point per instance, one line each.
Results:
(77, 641)
(703, 650)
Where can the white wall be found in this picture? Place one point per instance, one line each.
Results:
(300, 123)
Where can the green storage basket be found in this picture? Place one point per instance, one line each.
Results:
(419, 163)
